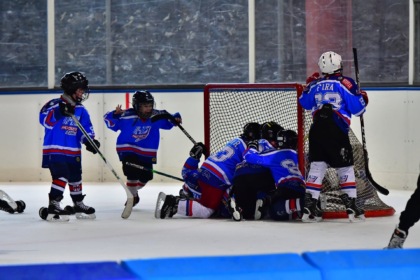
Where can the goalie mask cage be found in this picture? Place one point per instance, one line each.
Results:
(228, 107)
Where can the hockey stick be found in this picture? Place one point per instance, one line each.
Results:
(378, 187)
(172, 118)
(130, 198)
(153, 171)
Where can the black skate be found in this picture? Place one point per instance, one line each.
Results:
(234, 210)
(81, 210)
(4, 205)
(397, 239)
(169, 206)
(353, 211)
(311, 212)
(54, 212)
(9, 205)
(136, 200)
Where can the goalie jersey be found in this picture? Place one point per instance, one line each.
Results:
(339, 91)
(137, 136)
(63, 140)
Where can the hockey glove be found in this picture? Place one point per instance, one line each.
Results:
(253, 144)
(198, 150)
(66, 109)
(365, 96)
(311, 80)
(90, 148)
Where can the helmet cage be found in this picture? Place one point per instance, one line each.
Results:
(287, 139)
(73, 81)
(142, 97)
(251, 131)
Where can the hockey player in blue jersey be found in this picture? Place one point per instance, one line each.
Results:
(138, 140)
(251, 181)
(214, 180)
(63, 145)
(285, 201)
(333, 99)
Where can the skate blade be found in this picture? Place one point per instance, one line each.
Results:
(83, 216)
(306, 218)
(258, 205)
(236, 215)
(62, 218)
(160, 200)
(358, 219)
(128, 208)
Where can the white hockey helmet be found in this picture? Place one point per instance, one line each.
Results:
(330, 63)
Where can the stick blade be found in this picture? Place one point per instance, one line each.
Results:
(128, 208)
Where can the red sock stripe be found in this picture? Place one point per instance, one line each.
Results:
(59, 183)
(189, 207)
(292, 205)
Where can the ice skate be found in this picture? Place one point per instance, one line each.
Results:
(9, 205)
(234, 210)
(311, 212)
(54, 211)
(81, 210)
(169, 207)
(397, 239)
(261, 207)
(354, 213)
(4, 205)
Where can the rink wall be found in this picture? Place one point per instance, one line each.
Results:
(391, 128)
(323, 265)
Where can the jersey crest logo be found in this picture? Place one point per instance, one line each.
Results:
(141, 132)
(347, 83)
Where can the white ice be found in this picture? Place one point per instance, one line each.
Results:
(25, 238)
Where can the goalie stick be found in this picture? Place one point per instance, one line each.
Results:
(153, 171)
(378, 187)
(130, 198)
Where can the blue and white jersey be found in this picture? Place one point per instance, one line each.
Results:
(63, 139)
(283, 164)
(139, 137)
(191, 174)
(222, 164)
(339, 91)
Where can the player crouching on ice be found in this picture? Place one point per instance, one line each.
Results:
(9, 205)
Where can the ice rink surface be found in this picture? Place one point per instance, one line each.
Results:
(25, 238)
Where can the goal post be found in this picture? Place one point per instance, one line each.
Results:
(228, 107)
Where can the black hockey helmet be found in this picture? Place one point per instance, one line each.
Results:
(269, 131)
(251, 131)
(72, 81)
(287, 139)
(142, 97)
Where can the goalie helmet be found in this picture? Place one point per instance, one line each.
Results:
(251, 131)
(287, 139)
(330, 63)
(142, 97)
(71, 82)
(269, 131)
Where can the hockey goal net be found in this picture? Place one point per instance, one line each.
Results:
(228, 107)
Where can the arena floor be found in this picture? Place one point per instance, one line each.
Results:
(26, 239)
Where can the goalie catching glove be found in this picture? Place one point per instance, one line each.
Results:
(90, 148)
(198, 150)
